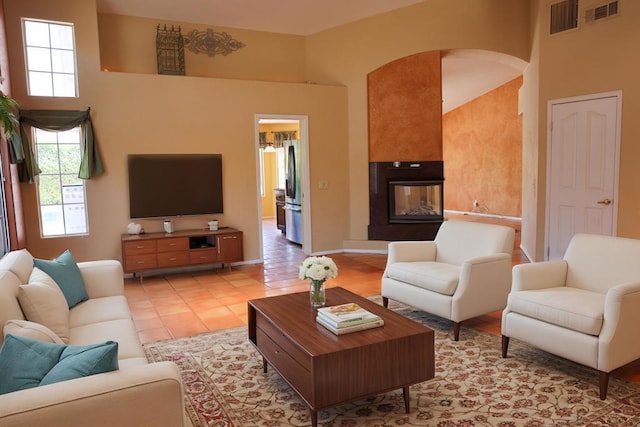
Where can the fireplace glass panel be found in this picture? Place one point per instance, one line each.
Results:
(415, 201)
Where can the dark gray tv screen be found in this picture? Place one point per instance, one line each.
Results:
(169, 185)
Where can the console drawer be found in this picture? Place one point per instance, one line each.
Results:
(203, 256)
(141, 262)
(173, 244)
(140, 247)
(173, 259)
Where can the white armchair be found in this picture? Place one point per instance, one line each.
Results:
(465, 272)
(585, 307)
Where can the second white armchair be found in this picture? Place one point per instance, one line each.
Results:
(465, 272)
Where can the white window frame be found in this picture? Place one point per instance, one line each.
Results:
(46, 61)
(68, 196)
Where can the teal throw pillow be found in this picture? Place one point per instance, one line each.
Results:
(65, 272)
(27, 363)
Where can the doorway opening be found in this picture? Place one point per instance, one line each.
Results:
(282, 169)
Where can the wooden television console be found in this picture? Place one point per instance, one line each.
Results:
(153, 251)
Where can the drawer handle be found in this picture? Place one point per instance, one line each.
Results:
(140, 262)
(172, 244)
(230, 237)
(172, 259)
(139, 247)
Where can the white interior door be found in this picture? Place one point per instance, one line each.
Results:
(583, 169)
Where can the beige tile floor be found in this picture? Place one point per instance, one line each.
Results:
(168, 306)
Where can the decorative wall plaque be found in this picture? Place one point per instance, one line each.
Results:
(212, 43)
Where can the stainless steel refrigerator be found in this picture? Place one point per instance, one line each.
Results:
(293, 198)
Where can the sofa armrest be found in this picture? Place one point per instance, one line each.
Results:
(102, 278)
(145, 395)
(539, 275)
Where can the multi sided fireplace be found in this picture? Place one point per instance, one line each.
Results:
(415, 201)
(405, 200)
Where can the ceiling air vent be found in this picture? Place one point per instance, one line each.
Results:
(563, 16)
(601, 11)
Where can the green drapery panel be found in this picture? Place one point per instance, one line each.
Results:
(55, 120)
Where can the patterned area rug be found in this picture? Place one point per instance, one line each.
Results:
(474, 386)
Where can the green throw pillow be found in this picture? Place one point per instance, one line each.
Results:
(65, 272)
(27, 363)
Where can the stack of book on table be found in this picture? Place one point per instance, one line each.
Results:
(346, 318)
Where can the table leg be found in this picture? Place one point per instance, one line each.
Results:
(314, 418)
(264, 365)
(405, 393)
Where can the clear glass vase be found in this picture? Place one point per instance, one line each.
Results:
(316, 293)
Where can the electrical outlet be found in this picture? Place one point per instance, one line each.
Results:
(323, 185)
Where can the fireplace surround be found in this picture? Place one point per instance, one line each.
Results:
(405, 200)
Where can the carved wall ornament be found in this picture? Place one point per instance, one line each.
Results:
(211, 42)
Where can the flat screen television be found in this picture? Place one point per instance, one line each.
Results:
(170, 185)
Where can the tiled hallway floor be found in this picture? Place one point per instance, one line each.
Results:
(176, 305)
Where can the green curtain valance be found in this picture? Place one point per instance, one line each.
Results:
(55, 120)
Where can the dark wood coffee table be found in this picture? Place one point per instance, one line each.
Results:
(327, 369)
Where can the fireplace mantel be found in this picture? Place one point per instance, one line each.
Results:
(381, 226)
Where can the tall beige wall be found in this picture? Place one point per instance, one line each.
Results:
(147, 113)
(128, 44)
(347, 54)
(596, 58)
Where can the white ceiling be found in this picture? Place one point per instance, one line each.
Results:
(466, 74)
(301, 17)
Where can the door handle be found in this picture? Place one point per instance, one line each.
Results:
(604, 202)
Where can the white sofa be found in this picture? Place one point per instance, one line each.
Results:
(137, 394)
(465, 272)
(585, 307)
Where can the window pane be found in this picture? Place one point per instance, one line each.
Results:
(36, 33)
(49, 189)
(75, 219)
(70, 159)
(62, 61)
(61, 36)
(71, 179)
(50, 49)
(39, 59)
(48, 158)
(72, 193)
(40, 84)
(71, 136)
(45, 137)
(64, 85)
(52, 220)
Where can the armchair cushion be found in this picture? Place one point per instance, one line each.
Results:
(434, 276)
(570, 308)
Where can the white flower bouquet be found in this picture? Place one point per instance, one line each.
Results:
(318, 269)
